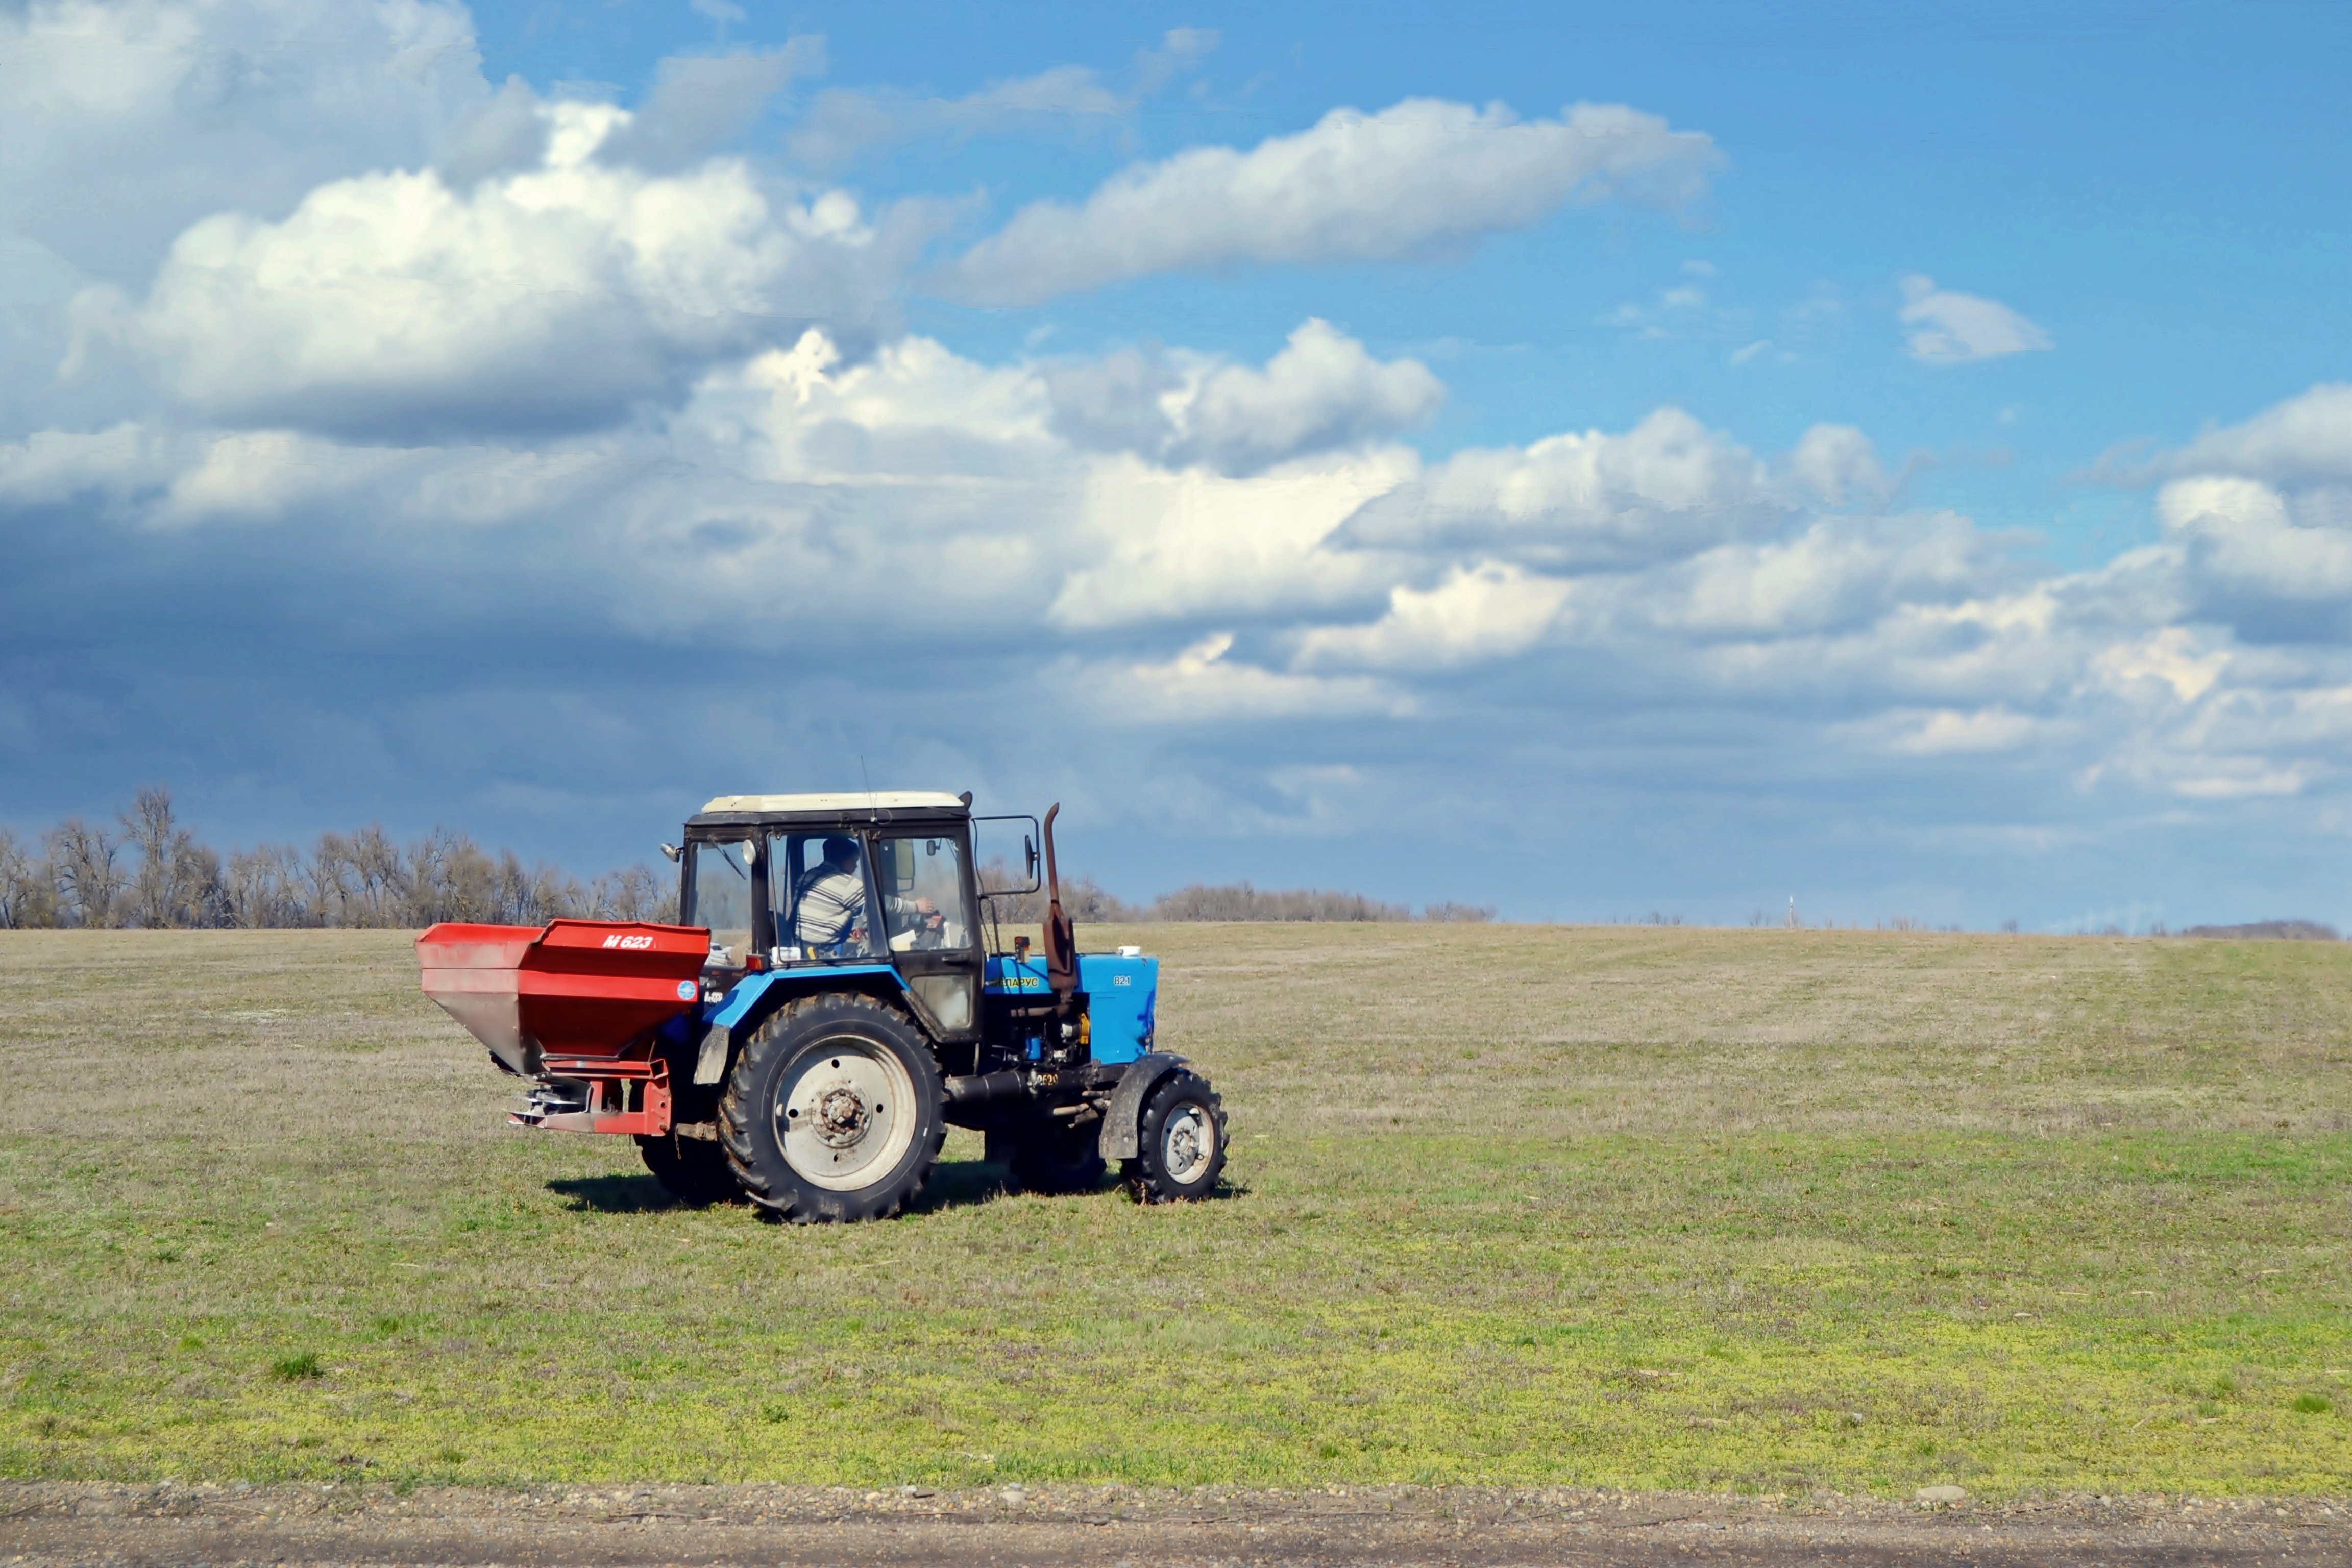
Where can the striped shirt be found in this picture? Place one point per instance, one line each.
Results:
(830, 903)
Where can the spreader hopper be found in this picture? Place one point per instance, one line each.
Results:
(574, 989)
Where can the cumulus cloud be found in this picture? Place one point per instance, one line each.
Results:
(1951, 328)
(393, 303)
(1353, 188)
(804, 494)
(1838, 466)
(1321, 392)
(1201, 683)
(1492, 610)
(2305, 440)
(1158, 545)
(1592, 499)
(120, 125)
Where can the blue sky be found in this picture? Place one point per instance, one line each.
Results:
(1584, 462)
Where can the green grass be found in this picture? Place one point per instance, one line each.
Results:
(1762, 1211)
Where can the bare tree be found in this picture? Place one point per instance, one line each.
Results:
(24, 887)
(266, 889)
(83, 865)
(634, 894)
(178, 882)
(377, 887)
(332, 881)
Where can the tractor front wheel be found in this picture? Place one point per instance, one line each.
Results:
(1180, 1142)
(694, 1171)
(832, 1114)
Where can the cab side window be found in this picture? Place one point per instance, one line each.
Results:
(816, 887)
(921, 878)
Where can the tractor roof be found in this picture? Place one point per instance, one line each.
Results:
(860, 800)
(846, 808)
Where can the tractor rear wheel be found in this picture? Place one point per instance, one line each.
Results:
(1049, 1156)
(694, 1171)
(1180, 1142)
(832, 1114)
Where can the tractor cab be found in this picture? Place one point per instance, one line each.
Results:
(798, 882)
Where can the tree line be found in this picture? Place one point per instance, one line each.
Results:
(1083, 900)
(145, 869)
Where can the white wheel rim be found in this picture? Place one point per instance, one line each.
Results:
(1187, 1143)
(846, 1116)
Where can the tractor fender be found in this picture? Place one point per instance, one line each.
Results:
(758, 994)
(1119, 1140)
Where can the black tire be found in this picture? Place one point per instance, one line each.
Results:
(694, 1171)
(1170, 1165)
(858, 1086)
(1049, 1156)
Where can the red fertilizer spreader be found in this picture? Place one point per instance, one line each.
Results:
(578, 1002)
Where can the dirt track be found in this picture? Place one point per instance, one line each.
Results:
(781, 1526)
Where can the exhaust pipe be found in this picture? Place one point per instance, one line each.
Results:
(979, 1088)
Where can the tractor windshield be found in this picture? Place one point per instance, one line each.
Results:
(719, 895)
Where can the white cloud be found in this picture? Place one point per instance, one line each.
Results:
(1944, 731)
(1489, 611)
(1950, 328)
(1354, 187)
(2174, 657)
(1322, 391)
(394, 303)
(2242, 534)
(1201, 683)
(122, 123)
(1836, 574)
(1838, 465)
(1161, 546)
(2306, 439)
(1664, 488)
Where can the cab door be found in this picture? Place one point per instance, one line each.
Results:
(929, 913)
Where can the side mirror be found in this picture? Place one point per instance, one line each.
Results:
(1029, 852)
(670, 852)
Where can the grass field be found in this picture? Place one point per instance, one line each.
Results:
(1753, 1210)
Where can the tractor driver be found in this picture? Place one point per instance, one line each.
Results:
(830, 899)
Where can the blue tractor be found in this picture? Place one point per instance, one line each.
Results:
(835, 996)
